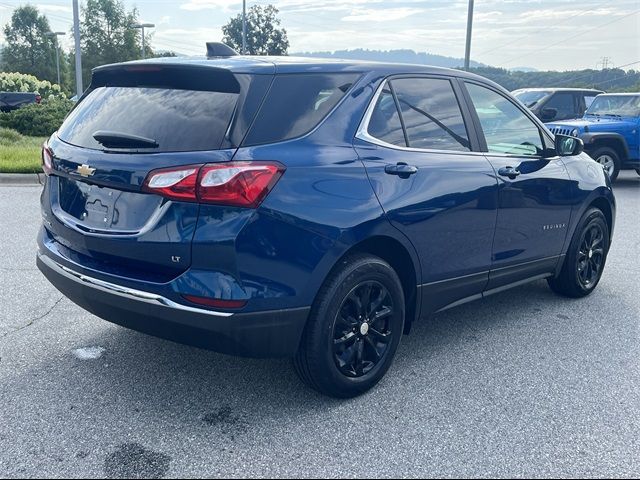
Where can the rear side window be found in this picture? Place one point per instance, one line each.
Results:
(297, 103)
(431, 114)
(177, 120)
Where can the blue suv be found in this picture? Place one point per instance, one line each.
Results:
(283, 207)
(610, 130)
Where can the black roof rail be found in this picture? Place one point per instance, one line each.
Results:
(219, 49)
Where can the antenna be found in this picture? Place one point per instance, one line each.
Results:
(219, 49)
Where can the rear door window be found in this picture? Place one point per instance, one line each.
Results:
(177, 120)
(385, 121)
(296, 104)
(431, 114)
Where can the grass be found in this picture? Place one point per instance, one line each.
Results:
(19, 154)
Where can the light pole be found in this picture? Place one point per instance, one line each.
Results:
(244, 27)
(142, 26)
(467, 53)
(76, 36)
(55, 35)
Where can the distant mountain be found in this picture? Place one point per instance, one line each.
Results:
(523, 69)
(396, 56)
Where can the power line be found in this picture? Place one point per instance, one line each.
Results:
(582, 32)
(563, 21)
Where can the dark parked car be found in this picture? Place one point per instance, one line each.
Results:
(308, 208)
(14, 100)
(553, 104)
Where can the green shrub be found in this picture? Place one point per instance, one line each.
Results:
(37, 120)
(21, 82)
(9, 136)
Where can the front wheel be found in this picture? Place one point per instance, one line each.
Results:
(354, 328)
(586, 258)
(609, 159)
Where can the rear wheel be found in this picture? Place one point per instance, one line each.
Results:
(609, 159)
(586, 258)
(354, 328)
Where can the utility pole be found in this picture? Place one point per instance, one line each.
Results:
(244, 27)
(142, 26)
(55, 35)
(467, 53)
(76, 35)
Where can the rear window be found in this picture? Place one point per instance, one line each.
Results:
(297, 103)
(177, 120)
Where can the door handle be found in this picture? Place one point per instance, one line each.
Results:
(510, 172)
(401, 169)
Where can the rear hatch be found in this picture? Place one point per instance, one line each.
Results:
(136, 119)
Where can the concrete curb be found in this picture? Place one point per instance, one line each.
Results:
(13, 179)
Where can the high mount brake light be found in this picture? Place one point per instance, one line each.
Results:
(240, 184)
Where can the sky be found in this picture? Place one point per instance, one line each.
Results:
(541, 34)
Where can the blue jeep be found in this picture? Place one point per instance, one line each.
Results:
(610, 130)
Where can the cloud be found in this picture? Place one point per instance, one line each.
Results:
(380, 15)
(46, 7)
(222, 5)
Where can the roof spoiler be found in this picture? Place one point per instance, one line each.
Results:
(219, 49)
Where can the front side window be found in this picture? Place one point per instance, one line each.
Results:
(564, 104)
(506, 128)
(431, 114)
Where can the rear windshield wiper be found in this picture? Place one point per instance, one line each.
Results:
(111, 139)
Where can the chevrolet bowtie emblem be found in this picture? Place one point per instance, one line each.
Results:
(86, 170)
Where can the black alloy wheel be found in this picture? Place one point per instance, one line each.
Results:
(591, 256)
(362, 330)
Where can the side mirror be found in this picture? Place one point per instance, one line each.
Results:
(548, 114)
(568, 146)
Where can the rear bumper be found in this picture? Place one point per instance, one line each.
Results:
(274, 333)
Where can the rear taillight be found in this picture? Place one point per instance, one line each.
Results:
(174, 183)
(240, 184)
(47, 159)
(38, 99)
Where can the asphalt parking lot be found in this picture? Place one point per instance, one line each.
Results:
(522, 384)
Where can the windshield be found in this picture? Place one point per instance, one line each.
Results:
(531, 97)
(623, 105)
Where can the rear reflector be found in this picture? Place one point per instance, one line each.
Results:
(215, 302)
(240, 184)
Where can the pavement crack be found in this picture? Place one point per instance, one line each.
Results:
(34, 320)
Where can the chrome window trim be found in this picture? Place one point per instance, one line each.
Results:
(363, 130)
(126, 292)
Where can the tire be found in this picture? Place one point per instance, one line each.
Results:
(608, 158)
(588, 249)
(638, 171)
(335, 339)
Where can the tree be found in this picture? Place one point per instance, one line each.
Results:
(107, 35)
(264, 35)
(28, 49)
